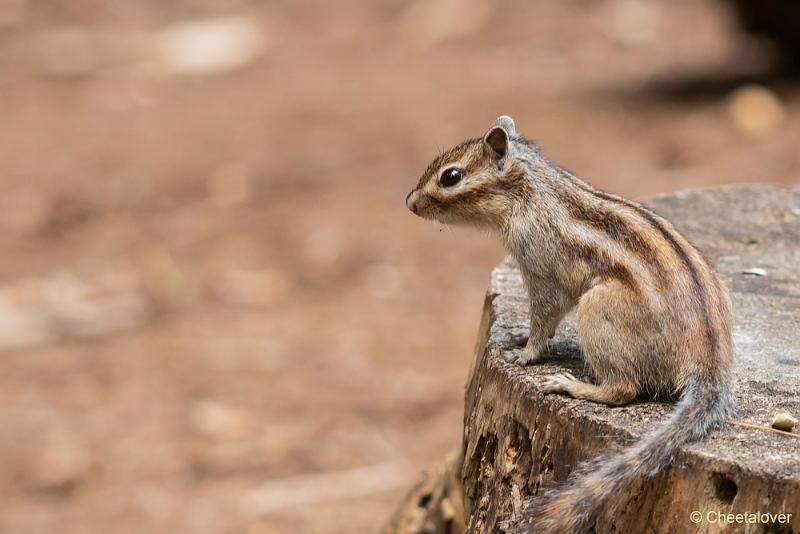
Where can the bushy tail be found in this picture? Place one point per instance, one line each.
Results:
(603, 481)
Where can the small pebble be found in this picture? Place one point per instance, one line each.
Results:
(783, 420)
(755, 271)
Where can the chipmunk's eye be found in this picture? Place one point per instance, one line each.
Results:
(451, 177)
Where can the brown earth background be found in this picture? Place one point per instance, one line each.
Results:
(216, 313)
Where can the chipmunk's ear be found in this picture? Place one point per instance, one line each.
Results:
(498, 135)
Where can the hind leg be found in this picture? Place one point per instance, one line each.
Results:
(614, 334)
(606, 393)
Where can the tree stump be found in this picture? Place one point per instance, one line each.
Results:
(518, 441)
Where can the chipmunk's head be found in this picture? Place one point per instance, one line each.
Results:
(478, 182)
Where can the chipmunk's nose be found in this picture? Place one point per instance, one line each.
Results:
(411, 201)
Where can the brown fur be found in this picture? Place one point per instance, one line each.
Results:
(652, 315)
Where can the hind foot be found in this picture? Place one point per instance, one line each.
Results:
(561, 383)
(613, 395)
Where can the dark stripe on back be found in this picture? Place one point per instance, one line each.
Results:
(599, 263)
(711, 334)
(616, 228)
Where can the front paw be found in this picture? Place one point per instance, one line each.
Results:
(524, 357)
(560, 383)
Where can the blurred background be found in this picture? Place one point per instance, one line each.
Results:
(216, 313)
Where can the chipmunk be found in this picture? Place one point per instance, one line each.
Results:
(652, 315)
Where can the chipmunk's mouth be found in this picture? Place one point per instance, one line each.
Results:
(411, 201)
(418, 204)
(422, 206)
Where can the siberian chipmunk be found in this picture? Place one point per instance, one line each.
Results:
(652, 315)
